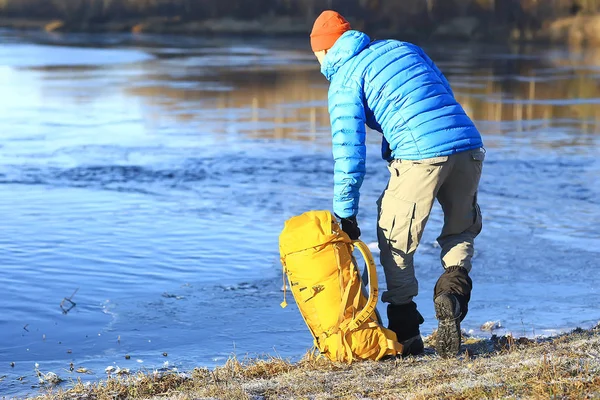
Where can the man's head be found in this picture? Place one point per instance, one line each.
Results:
(328, 28)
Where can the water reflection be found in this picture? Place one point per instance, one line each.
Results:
(281, 93)
(271, 103)
(533, 91)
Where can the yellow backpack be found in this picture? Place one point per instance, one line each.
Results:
(317, 258)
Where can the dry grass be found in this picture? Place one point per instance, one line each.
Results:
(567, 366)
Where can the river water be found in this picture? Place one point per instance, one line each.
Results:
(147, 179)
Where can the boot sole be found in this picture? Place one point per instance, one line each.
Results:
(448, 338)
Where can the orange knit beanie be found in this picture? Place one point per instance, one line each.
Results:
(328, 27)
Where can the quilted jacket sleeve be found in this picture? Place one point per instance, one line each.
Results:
(347, 114)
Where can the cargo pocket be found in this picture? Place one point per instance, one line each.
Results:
(478, 156)
(395, 224)
(399, 167)
(477, 218)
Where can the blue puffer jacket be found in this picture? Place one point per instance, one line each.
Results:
(395, 89)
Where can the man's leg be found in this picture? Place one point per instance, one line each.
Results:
(462, 223)
(404, 209)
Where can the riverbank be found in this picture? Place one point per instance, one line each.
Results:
(576, 30)
(502, 367)
(269, 26)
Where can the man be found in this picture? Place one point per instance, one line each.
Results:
(434, 152)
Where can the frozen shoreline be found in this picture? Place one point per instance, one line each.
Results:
(566, 365)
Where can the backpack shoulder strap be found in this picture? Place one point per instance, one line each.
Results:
(369, 308)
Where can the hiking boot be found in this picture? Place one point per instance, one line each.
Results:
(413, 346)
(404, 320)
(455, 280)
(451, 296)
(448, 337)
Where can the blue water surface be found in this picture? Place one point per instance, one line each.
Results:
(147, 180)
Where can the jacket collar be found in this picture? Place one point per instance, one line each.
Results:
(347, 46)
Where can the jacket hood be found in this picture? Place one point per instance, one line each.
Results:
(347, 46)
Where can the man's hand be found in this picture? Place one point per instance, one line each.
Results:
(350, 226)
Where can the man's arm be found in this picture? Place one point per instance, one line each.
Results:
(347, 114)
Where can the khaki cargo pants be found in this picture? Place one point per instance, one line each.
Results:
(404, 209)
